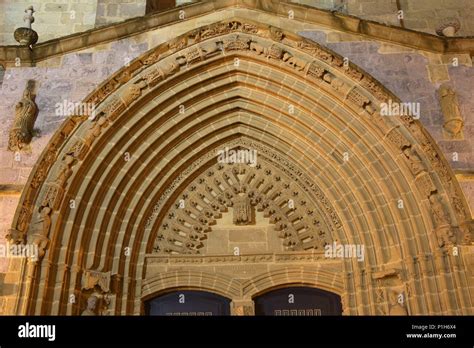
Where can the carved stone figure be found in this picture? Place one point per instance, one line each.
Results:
(358, 98)
(15, 237)
(133, 92)
(453, 123)
(65, 171)
(315, 70)
(397, 303)
(270, 52)
(425, 184)
(259, 49)
(446, 236)
(45, 220)
(96, 278)
(91, 306)
(236, 44)
(336, 83)
(211, 49)
(25, 35)
(398, 139)
(440, 215)
(415, 163)
(26, 112)
(449, 27)
(42, 243)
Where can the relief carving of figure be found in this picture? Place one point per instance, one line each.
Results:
(440, 215)
(276, 34)
(236, 44)
(453, 123)
(26, 112)
(242, 211)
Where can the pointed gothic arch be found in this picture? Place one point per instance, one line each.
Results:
(158, 126)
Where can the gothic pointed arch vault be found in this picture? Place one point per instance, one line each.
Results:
(124, 204)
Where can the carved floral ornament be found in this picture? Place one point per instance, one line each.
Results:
(313, 62)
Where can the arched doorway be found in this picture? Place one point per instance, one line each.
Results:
(149, 186)
(298, 301)
(188, 303)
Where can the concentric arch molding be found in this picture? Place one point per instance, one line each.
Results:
(249, 70)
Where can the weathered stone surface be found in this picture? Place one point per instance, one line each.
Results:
(128, 169)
